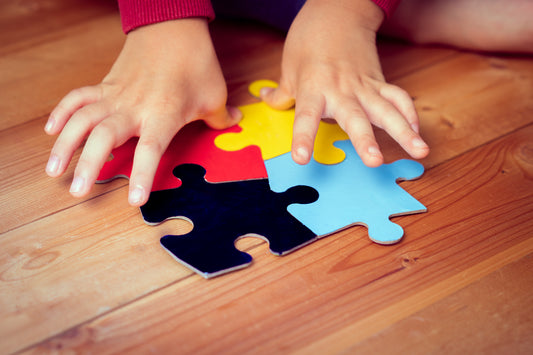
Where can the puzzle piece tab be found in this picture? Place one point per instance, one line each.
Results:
(271, 130)
(350, 193)
(222, 213)
(194, 144)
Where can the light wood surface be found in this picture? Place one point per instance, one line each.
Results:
(87, 275)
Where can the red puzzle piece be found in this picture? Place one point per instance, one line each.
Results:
(194, 144)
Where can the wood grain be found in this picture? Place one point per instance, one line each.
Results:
(87, 275)
(344, 284)
(493, 315)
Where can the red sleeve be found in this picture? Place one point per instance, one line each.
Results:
(136, 13)
(387, 6)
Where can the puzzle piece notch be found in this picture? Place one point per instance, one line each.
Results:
(271, 130)
(221, 213)
(350, 193)
(193, 144)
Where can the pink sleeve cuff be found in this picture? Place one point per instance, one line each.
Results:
(387, 6)
(136, 13)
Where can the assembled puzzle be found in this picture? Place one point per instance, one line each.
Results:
(242, 182)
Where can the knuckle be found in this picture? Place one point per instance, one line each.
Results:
(358, 130)
(151, 145)
(214, 102)
(104, 130)
(85, 166)
(309, 113)
(76, 92)
(80, 93)
(389, 115)
(304, 133)
(400, 92)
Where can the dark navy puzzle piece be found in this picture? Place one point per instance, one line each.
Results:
(221, 213)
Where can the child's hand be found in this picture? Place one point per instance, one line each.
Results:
(330, 69)
(166, 76)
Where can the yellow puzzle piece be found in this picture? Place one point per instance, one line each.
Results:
(271, 130)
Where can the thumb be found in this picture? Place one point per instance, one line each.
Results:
(227, 117)
(277, 98)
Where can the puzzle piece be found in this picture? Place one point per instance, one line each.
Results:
(350, 193)
(224, 212)
(193, 144)
(271, 130)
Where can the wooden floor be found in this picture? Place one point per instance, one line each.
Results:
(87, 275)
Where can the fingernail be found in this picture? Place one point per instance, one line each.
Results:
(419, 143)
(265, 91)
(235, 113)
(77, 184)
(415, 127)
(49, 125)
(52, 166)
(372, 150)
(302, 154)
(136, 195)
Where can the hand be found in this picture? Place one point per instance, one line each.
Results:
(330, 69)
(166, 75)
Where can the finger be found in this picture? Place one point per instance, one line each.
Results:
(386, 116)
(278, 98)
(151, 146)
(107, 135)
(72, 135)
(227, 117)
(308, 113)
(353, 120)
(403, 103)
(70, 104)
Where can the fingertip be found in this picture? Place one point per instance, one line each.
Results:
(79, 186)
(228, 117)
(301, 155)
(373, 157)
(49, 126)
(265, 92)
(53, 166)
(235, 114)
(137, 195)
(420, 148)
(276, 98)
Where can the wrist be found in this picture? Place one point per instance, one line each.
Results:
(364, 13)
(167, 49)
(172, 39)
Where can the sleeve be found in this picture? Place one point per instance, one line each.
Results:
(136, 13)
(387, 6)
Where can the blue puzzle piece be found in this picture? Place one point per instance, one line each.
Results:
(222, 213)
(349, 193)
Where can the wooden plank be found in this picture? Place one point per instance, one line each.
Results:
(493, 316)
(34, 79)
(25, 23)
(97, 256)
(27, 193)
(480, 219)
(399, 59)
(347, 339)
(81, 54)
(450, 124)
(70, 266)
(467, 101)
